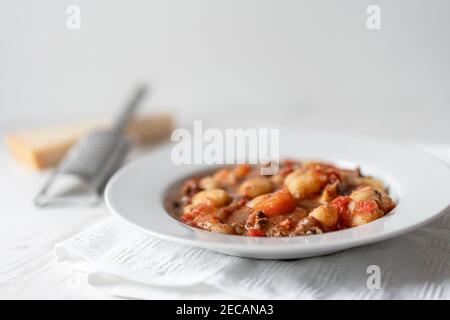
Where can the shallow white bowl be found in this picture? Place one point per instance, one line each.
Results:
(419, 184)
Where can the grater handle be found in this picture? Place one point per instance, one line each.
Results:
(123, 119)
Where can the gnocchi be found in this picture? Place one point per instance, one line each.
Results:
(305, 184)
(208, 183)
(327, 216)
(255, 186)
(212, 197)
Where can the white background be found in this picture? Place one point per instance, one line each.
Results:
(311, 62)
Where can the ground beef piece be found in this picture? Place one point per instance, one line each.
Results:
(256, 220)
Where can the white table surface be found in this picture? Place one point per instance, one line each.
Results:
(28, 268)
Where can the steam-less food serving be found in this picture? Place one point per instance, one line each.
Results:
(303, 198)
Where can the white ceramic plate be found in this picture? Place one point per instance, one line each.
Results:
(419, 184)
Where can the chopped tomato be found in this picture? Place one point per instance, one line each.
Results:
(341, 204)
(200, 209)
(255, 233)
(279, 202)
(366, 207)
(185, 218)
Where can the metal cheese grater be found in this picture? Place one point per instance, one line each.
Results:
(90, 162)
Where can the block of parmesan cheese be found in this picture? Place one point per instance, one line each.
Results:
(44, 147)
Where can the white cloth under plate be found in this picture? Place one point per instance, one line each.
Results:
(123, 261)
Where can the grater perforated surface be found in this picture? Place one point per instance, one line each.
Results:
(88, 156)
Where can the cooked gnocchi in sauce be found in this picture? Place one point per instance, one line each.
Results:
(303, 198)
